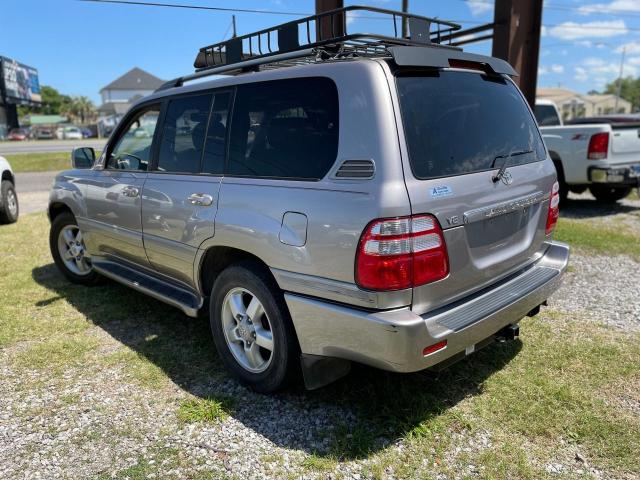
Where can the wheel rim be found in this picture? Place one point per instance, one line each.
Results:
(247, 330)
(72, 250)
(12, 202)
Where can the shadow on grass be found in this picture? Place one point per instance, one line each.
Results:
(350, 419)
(577, 208)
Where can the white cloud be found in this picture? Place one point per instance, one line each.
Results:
(597, 29)
(478, 7)
(616, 6)
(580, 74)
(543, 70)
(599, 72)
(631, 48)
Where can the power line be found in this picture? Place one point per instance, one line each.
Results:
(274, 12)
(195, 7)
(587, 9)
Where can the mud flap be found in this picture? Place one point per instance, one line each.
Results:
(319, 371)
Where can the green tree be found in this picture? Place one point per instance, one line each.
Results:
(629, 90)
(53, 103)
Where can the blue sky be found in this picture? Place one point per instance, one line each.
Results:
(80, 47)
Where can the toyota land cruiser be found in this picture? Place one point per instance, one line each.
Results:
(359, 197)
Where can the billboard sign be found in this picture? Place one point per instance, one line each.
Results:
(20, 82)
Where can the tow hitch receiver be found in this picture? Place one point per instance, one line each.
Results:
(510, 332)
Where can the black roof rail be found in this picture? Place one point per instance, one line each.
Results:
(308, 40)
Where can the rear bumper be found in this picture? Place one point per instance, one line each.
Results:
(394, 340)
(625, 175)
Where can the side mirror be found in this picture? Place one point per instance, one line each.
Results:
(83, 157)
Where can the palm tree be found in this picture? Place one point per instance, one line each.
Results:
(81, 108)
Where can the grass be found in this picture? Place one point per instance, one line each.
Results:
(563, 388)
(40, 161)
(596, 237)
(210, 409)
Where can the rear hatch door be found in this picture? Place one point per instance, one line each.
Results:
(460, 127)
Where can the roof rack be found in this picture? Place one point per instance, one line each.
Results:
(314, 38)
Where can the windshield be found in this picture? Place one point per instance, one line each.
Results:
(459, 122)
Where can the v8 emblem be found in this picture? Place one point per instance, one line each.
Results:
(455, 220)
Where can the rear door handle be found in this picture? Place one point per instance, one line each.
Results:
(200, 199)
(130, 191)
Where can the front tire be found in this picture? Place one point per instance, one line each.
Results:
(606, 194)
(69, 252)
(252, 329)
(9, 207)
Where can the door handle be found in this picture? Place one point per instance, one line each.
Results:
(200, 199)
(130, 191)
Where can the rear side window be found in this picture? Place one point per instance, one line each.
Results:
(284, 129)
(462, 122)
(183, 134)
(215, 146)
(546, 115)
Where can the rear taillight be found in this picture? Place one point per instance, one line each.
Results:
(554, 208)
(399, 253)
(598, 146)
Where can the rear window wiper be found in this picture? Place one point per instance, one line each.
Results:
(498, 176)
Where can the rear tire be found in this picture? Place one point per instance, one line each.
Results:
(564, 188)
(68, 251)
(608, 194)
(9, 207)
(252, 329)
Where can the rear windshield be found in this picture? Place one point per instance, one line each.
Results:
(463, 122)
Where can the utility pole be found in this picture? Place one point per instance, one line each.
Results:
(233, 26)
(516, 39)
(329, 26)
(405, 9)
(615, 108)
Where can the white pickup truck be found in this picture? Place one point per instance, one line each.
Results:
(599, 153)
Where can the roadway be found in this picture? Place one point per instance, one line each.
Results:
(40, 146)
(33, 190)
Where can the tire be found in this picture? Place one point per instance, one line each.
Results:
(9, 207)
(607, 194)
(241, 329)
(62, 239)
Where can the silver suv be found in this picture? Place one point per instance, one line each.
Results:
(369, 198)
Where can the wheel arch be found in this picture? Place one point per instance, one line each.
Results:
(216, 258)
(56, 208)
(7, 175)
(557, 162)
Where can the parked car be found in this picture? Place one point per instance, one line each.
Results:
(18, 134)
(395, 209)
(601, 154)
(9, 207)
(86, 133)
(43, 133)
(69, 133)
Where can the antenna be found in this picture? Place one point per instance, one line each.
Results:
(233, 23)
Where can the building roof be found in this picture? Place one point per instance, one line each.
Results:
(114, 108)
(602, 97)
(135, 79)
(556, 93)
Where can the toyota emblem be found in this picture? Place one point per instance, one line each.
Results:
(507, 179)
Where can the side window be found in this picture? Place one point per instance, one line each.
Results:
(214, 149)
(183, 134)
(132, 150)
(285, 128)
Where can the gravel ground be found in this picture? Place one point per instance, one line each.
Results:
(584, 207)
(95, 421)
(604, 289)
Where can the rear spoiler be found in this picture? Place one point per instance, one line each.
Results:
(443, 58)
